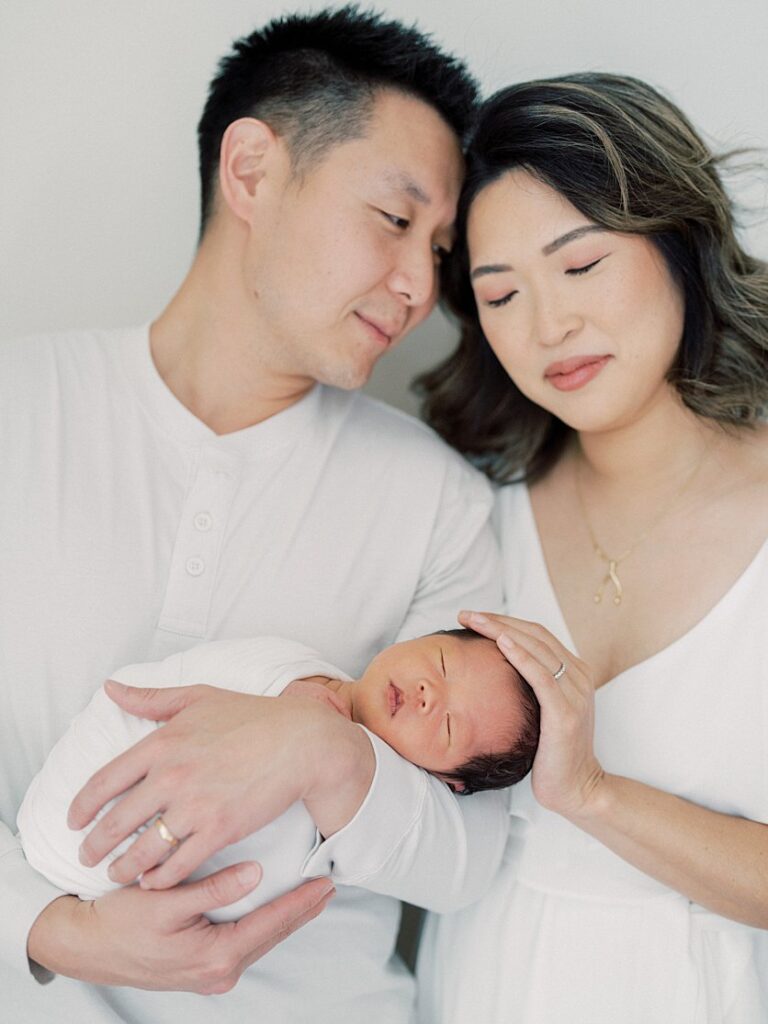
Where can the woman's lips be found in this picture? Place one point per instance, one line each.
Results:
(571, 374)
(395, 698)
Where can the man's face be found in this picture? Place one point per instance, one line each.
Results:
(439, 700)
(343, 259)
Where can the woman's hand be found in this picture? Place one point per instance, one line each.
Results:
(566, 773)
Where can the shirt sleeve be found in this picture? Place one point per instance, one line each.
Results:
(24, 894)
(462, 564)
(414, 839)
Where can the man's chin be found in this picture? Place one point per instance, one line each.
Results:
(346, 378)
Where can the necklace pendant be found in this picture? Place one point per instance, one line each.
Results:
(611, 577)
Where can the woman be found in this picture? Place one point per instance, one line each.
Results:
(614, 364)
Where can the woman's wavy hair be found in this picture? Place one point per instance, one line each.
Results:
(630, 161)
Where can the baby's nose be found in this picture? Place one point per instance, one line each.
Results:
(425, 696)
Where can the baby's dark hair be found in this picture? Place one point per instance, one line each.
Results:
(314, 77)
(497, 771)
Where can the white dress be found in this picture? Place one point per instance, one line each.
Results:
(570, 933)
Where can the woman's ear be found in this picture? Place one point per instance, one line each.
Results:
(249, 150)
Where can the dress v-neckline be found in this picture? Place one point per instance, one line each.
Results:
(564, 632)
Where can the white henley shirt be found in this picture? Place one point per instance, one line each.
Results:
(130, 531)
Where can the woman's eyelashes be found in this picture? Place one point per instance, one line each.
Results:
(587, 266)
(571, 271)
(495, 303)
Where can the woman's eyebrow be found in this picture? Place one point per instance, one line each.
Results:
(549, 248)
(570, 236)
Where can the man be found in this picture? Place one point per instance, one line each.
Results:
(190, 481)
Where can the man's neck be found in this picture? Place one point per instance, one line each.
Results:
(205, 348)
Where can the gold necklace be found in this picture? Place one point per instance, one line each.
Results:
(612, 575)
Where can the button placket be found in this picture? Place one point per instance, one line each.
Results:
(197, 548)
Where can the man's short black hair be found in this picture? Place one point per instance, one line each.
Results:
(313, 79)
(497, 771)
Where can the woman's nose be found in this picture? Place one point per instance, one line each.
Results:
(554, 321)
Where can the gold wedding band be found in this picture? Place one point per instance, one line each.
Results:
(165, 832)
(560, 672)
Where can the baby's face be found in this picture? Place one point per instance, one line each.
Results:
(439, 701)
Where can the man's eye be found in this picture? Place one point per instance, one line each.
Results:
(399, 222)
(583, 270)
(495, 303)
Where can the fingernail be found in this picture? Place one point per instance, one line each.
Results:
(505, 642)
(478, 618)
(112, 684)
(84, 857)
(249, 874)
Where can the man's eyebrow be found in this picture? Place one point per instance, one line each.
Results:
(401, 182)
(558, 243)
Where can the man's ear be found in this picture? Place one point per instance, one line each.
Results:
(249, 150)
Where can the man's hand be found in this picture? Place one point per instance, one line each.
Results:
(162, 941)
(224, 765)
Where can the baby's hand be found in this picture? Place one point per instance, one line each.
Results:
(316, 688)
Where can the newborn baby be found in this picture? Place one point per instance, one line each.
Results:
(448, 702)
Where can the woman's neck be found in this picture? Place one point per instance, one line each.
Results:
(649, 454)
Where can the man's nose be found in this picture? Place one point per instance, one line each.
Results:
(414, 278)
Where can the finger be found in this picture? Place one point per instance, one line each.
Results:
(147, 851)
(150, 702)
(109, 782)
(538, 648)
(264, 928)
(493, 626)
(538, 677)
(125, 818)
(166, 871)
(216, 890)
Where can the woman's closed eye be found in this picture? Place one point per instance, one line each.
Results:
(502, 301)
(574, 271)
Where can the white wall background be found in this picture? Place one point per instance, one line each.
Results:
(99, 100)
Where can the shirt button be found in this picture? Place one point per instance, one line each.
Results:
(195, 566)
(203, 521)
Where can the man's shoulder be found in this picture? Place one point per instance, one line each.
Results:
(391, 434)
(28, 359)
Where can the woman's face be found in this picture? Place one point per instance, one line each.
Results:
(585, 321)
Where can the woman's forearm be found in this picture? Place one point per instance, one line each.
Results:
(716, 860)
